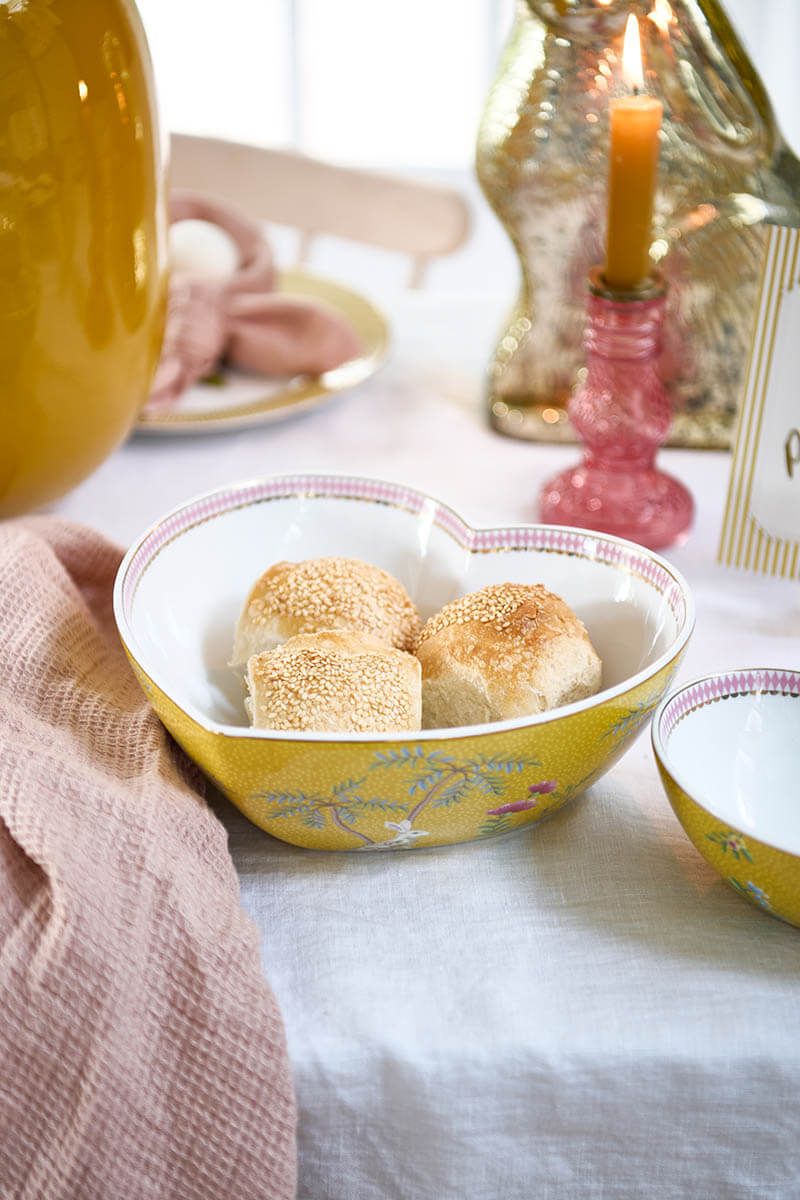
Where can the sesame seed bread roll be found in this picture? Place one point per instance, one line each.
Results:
(335, 683)
(509, 650)
(324, 593)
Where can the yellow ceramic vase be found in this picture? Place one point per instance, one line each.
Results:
(82, 240)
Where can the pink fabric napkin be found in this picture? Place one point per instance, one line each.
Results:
(243, 319)
(142, 1053)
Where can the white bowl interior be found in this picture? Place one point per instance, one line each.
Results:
(181, 618)
(740, 758)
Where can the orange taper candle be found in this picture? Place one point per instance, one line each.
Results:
(633, 172)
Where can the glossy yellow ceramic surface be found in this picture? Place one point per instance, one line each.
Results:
(401, 793)
(767, 877)
(82, 240)
(180, 588)
(762, 873)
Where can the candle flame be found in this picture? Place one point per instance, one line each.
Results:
(662, 15)
(632, 69)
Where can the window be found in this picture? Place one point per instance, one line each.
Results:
(375, 82)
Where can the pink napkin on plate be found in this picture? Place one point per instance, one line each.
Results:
(142, 1053)
(242, 319)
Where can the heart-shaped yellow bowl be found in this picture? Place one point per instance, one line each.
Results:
(181, 587)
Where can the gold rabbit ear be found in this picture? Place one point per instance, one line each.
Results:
(713, 91)
(590, 22)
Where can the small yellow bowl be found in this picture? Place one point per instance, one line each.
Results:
(181, 587)
(728, 750)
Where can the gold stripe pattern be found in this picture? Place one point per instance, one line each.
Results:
(743, 543)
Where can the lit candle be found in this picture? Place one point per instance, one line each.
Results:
(633, 172)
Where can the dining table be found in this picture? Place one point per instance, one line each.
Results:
(583, 1009)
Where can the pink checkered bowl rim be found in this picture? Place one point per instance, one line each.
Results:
(749, 682)
(583, 543)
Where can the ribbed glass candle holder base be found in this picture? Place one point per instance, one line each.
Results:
(622, 414)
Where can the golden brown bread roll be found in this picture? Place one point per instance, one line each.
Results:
(324, 593)
(508, 650)
(335, 682)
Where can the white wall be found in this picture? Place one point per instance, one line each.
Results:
(376, 82)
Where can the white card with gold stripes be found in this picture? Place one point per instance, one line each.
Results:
(761, 531)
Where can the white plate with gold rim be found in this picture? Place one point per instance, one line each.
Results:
(235, 399)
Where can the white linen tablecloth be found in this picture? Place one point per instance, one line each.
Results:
(585, 1010)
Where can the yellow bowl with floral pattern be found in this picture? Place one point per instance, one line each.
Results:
(728, 750)
(181, 587)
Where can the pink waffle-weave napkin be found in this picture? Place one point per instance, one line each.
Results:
(241, 318)
(142, 1053)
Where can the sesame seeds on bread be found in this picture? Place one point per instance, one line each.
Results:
(335, 682)
(320, 594)
(508, 650)
(325, 642)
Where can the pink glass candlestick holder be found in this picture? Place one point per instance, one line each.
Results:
(622, 414)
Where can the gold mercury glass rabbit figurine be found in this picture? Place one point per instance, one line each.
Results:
(542, 161)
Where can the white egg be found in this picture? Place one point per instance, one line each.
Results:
(202, 250)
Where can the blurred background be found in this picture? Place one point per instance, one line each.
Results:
(396, 87)
(373, 83)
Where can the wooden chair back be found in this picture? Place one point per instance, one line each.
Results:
(420, 220)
